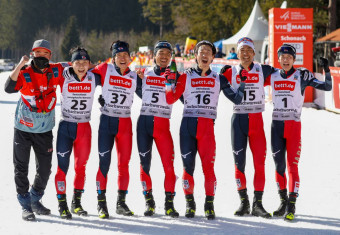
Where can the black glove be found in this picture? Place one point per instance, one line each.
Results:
(225, 68)
(324, 63)
(101, 100)
(243, 74)
(304, 74)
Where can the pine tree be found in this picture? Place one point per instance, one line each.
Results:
(158, 12)
(71, 38)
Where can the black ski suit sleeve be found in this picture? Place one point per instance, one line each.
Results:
(308, 79)
(10, 86)
(267, 70)
(233, 95)
(97, 79)
(139, 87)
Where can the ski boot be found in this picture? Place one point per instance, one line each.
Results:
(284, 200)
(37, 207)
(102, 207)
(290, 211)
(245, 205)
(169, 205)
(209, 207)
(25, 202)
(122, 208)
(76, 207)
(258, 209)
(149, 203)
(190, 206)
(62, 207)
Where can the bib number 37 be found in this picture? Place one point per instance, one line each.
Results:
(115, 98)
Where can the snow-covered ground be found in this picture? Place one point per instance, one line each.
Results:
(318, 207)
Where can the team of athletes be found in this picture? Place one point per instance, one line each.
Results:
(198, 88)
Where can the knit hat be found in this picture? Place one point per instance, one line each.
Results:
(162, 44)
(286, 49)
(119, 46)
(205, 42)
(80, 54)
(245, 41)
(41, 43)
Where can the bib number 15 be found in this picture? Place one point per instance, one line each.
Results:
(251, 95)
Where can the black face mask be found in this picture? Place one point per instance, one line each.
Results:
(40, 62)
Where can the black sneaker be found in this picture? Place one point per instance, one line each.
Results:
(190, 206)
(169, 205)
(28, 215)
(76, 207)
(258, 209)
(102, 207)
(209, 208)
(290, 212)
(63, 208)
(244, 208)
(149, 203)
(25, 202)
(40, 209)
(121, 207)
(283, 205)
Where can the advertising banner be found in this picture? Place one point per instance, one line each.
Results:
(292, 26)
(332, 98)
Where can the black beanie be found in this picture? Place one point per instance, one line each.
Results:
(119, 46)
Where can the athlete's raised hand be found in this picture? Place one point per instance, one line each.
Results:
(243, 74)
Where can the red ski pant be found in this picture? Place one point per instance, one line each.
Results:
(286, 137)
(151, 128)
(244, 127)
(197, 134)
(78, 136)
(114, 130)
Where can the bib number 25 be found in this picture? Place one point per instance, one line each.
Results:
(78, 104)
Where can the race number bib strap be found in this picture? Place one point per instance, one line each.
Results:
(248, 108)
(286, 116)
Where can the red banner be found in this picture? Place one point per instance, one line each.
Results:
(292, 26)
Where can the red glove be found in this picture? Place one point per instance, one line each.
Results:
(170, 77)
(243, 74)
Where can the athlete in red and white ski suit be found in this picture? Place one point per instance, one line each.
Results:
(154, 125)
(119, 85)
(247, 122)
(200, 88)
(288, 87)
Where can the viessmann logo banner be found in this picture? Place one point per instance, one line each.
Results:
(252, 78)
(155, 81)
(79, 87)
(294, 27)
(202, 82)
(284, 86)
(120, 81)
